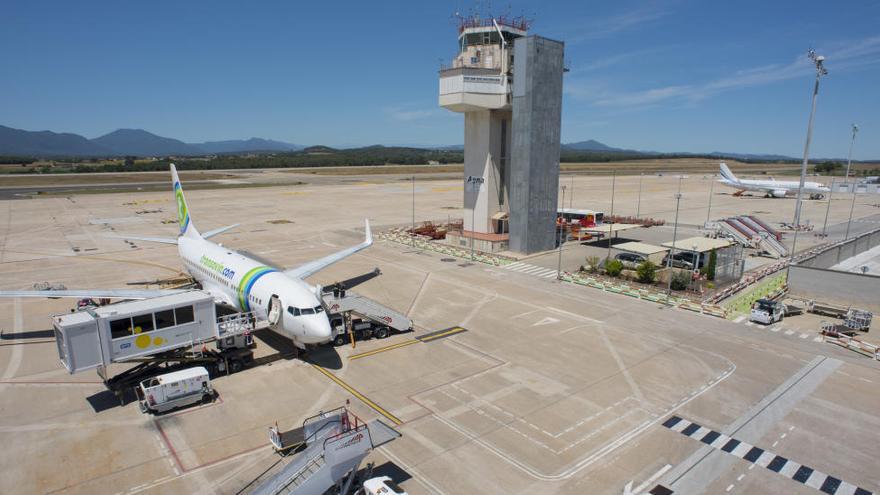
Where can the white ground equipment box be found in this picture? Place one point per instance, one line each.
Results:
(176, 389)
(117, 332)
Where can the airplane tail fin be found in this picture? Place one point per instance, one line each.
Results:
(187, 228)
(727, 174)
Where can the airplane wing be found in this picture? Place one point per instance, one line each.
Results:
(311, 267)
(163, 240)
(96, 293)
(211, 233)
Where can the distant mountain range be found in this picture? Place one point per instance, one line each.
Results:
(138, 142)
(124, 142)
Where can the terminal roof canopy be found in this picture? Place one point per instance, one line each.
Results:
(641, 248)
(698, 244)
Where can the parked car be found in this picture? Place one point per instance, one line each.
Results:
(684, 259)
(630, 260)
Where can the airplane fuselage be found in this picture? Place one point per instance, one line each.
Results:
(248, 285)
(775, 188)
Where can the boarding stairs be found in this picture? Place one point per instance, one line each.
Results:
(750, 231)
(341, 301)
(336, 444)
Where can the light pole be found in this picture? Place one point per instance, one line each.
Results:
(828, 208)
(711, 192)
(819, 61)
(855, 129)
(561, 226)
(674, 240)
(639, 204)
(613, 183)
(414, 210)
(571, 194)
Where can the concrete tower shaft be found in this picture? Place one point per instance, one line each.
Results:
(477, 83)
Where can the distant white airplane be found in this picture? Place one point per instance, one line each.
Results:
(292, 307)
(771, 188)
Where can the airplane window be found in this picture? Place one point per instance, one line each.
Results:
(308, 311)
(293, 311)
(319, 309)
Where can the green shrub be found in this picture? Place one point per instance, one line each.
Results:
(709, 269)
(613, 267)
(681, 280)
(592, 265)
(646, 272)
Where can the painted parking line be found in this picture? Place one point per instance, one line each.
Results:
(372, 405)
(764, 458)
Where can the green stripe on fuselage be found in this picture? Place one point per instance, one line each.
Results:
(245, 285)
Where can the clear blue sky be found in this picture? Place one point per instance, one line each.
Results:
(668, 76)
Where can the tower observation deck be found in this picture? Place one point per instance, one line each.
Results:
(508, 85)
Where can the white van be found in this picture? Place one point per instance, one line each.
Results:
(176, 389)
(383, 485)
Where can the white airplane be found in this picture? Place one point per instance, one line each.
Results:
(771, 188)
(292, 306)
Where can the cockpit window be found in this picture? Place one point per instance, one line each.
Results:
(319, 309)
(308, 311)
(293, 311)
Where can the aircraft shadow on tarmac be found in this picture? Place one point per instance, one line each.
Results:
(324, 356)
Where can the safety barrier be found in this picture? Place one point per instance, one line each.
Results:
(646, 294)
(402, 237)
(832, 336)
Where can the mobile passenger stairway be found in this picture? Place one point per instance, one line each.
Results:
(333, 444)
(339, 300)
(342, 301)
(753, 232)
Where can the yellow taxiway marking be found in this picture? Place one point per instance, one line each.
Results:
(383, 349)
(451, 331)
(362, 397)
(415, 340)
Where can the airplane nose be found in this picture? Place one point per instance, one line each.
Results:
(318, 330)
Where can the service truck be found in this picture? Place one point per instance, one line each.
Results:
(767, 311)
(363, 329)
(176, 389)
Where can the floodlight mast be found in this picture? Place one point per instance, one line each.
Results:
(819, 61)
(855, 130)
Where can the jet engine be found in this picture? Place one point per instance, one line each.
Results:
(778, 193)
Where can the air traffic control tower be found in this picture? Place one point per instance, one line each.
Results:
(508, 85)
